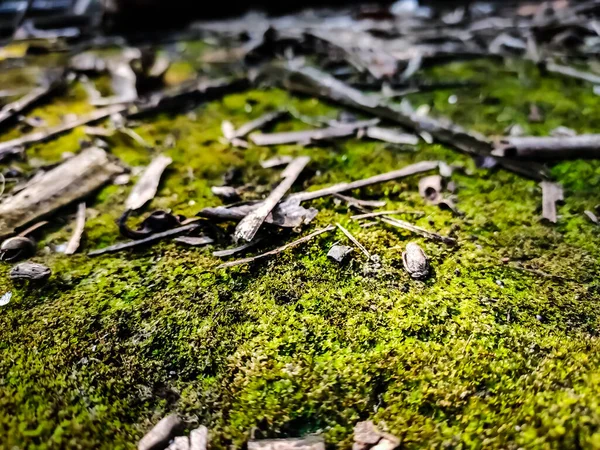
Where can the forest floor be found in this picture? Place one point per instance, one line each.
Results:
(497, 349)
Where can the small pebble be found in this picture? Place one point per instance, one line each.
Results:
(339, 253)
(5, 299)
(30, 271)
(199, 438)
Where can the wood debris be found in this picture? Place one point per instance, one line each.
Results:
(368, 437)
(256, 124)
(552, 193)
(10, 111)
(583, 146)
(354, 241)
(418, 230)
(308, 136)
(308, 80)
(228, 193)
(391, 136)
(232, 251)
(413, 169)
(147, 240)
(5, 298)
(72, 180)
(11, 147)
(572, 72)
(384, 213)
(160, 435)
(278, 250)
(147, 186)
(276, 162)
(590, 215)
(30, 271)
(194, 241)
(199, 438)
(249, 225)
(311, 442)
(75, 240)
(359, 202)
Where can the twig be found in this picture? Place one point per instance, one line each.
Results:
(72, 180)
(550, 147)
(75, 240)
(233, 251)
(277, 250)
(139, 242)
(552, 193)
(418, 230)
(423, 166)
(354, 241)
(308, 80)
(384, 213)
(2, 183)
(391, 136)
(573, 73)
(358, 202)
(146, 187)
(249, 225)
(293, 137)
(8, 147)
(258, 123)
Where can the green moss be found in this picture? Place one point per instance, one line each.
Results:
(481, 355)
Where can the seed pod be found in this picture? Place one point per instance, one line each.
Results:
(415, 261)
(30, 271)
(15, 248)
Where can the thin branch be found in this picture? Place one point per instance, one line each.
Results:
(418, 230)
(249, 225)
(140, 242)
(75, 240)
(423, 166)
(278, 250)
(354, 240)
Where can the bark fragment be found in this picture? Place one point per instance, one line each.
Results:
(146, 187)
(72, 180)
(552, 193)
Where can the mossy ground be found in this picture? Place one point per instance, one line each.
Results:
(481, 355)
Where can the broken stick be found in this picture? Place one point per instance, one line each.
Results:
(75, 240)
(140, 242)
(418, 230)
(146, 187)
(423, 166)
(552, 193)
(8, 147)
(72, 180)
(249, 225)
(277, 250)
(550, 147)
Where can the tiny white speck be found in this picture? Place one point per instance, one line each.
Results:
(452, 99)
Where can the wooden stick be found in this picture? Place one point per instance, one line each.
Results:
(573, 73)
(294, 137)
(75, 240)
(384, 213)
(8, 147)
(146, 187)
(311, 81)
(277, 250)
(550, 147)
(258, 123)
(552, 193)
(139, 242)
(423, 166)
(72, 180)
(418, 230)
(249, 225)
(354, 241)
